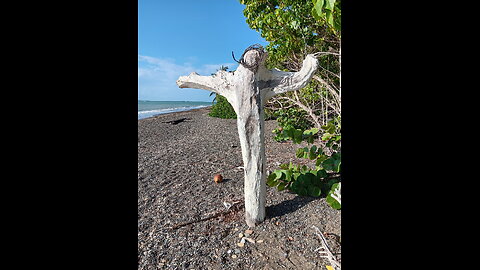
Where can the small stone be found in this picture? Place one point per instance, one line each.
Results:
(247, 235)
(260, 241)
(250, 240)
(242, 240)
(163, 260)
(290, 238)
(236, 229)
(241, 244)
(240, 235)
(234, 256)
(249, 231)
(229, 251)
(237, 251)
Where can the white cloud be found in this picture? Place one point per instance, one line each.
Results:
(157, 79)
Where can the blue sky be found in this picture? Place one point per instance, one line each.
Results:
(176, 38)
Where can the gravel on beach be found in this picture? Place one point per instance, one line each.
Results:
(177, 196)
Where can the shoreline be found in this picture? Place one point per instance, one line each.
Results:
(174, 112)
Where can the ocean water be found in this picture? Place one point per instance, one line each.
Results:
(148, 108)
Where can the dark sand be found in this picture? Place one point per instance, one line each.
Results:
(176, 165)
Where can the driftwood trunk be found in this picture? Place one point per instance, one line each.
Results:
(247, 89)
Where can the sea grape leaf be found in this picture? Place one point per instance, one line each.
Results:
(288, 174)
(281, 186)
(332, 163)
(321, 174)
(317, 181)
(315, 13)
(328, 164)
(307, 179)
(333, 203)
(336, 165)
(278, 174)
(320, 159)
(311, 131)
(314, 191)
(318, 4)
(329, 4)
(271, 182)
(327, 186)
(302, 191)
(327, 136)
(297, 136)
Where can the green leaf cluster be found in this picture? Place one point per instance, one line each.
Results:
(298, 179)
(312, 182)
(322, 161)
(332, 134)
(290, 26)
(328, 11)
(222, 109)
(302, 180)
(291, 121)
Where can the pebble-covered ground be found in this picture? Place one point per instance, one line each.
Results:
(176, 166)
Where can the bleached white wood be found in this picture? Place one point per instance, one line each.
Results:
(291, 81)
(247, 90)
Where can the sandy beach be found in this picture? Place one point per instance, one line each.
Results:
(178, 201)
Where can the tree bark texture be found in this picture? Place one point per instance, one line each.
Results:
(247, 89)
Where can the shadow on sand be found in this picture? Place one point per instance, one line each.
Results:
(288, 206)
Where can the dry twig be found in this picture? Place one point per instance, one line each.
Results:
(231, 207)
(326, 253)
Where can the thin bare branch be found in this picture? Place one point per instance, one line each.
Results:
(325, 53)
(326, 253)
(309, 111)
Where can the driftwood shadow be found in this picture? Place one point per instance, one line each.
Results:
(288, 206)
(174, 122)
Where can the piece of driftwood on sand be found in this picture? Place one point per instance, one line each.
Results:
(247, 89)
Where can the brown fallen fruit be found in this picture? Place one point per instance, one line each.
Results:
(218, 178)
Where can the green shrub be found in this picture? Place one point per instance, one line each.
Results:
(290, 119)
(320, 181)
(222, 109)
